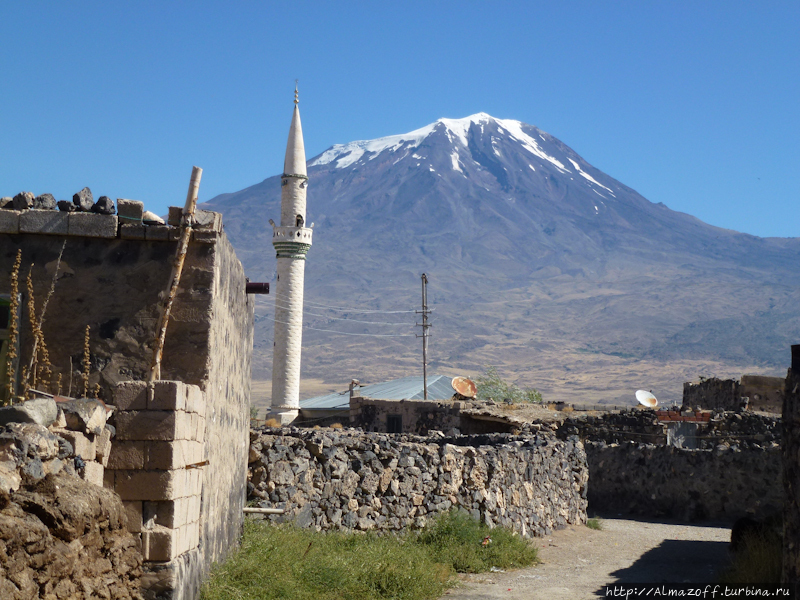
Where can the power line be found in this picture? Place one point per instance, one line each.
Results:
(345, 333)
(352, 320)
(327, 306)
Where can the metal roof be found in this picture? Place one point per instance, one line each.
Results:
(405, 388)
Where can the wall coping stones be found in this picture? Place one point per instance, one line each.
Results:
(92, 225)
(44, 221)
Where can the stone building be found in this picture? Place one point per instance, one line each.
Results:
(179, 458)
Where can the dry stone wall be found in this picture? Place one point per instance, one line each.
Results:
(331, 479)
(725, 483)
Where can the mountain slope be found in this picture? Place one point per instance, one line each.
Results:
(539, 263)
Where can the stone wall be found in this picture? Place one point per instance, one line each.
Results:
(350, 479)
(765, 393)
(725, 483)
(721, 394)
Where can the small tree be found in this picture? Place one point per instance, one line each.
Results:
(492, 387)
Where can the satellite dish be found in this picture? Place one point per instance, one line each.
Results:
(465, 387)
(646, 398)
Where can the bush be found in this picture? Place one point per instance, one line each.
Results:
(492, 387)
(595, 523)
(759, 560)
(457, 539)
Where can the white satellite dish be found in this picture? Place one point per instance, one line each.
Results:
(645, 398)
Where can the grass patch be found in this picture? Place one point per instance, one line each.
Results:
(287, 563)
(595, 523)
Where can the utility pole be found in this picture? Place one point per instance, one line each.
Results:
(425, 326)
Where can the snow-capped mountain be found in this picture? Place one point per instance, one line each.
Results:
(535, 257)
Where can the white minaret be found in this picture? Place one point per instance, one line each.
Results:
(291, 239)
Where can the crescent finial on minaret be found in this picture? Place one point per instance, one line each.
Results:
(296, 100)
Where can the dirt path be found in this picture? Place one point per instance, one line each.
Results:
(578, 561)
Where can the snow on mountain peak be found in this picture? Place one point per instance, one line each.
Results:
(456, 129)
(346, 154)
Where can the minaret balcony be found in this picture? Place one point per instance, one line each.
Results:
(292, 234)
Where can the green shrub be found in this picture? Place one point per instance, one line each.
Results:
(455, 538)
(595, 523)
(492, 387)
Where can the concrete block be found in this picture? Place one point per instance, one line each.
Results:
(93, 225)
(150, 485)
(194, 481)
(173, 455)
(159, 544)
(175, 216)
(81, 444)
(208, 220)
(103, 447)
(189, 537)
(9, 221)
(195, 400)
(44, 221)
(131, 232)
(172, 514)
(200, 429)
(193, 510)
(159, 233)
(133, 511)
(205, 237)
(167, 395)
(130, 211)
(131, 395)
(157, 425)
(93, 473)
(127, 455)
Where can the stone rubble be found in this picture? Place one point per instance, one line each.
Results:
(62, 535)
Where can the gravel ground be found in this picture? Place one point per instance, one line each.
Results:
(578, 561)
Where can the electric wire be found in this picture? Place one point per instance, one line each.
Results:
(330, 307)
(345, 333)
(346, 318)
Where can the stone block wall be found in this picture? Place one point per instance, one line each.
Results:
(331, 479)
(157, 464)
(725, 483)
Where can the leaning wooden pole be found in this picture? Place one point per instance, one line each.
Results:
(177, 269)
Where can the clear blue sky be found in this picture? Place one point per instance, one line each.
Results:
(694, 104)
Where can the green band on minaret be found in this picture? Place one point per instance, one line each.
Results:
(291, 249)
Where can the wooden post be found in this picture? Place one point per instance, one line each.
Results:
(790, 448)
(177, 269)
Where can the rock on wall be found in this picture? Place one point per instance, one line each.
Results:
(350, 479)
(724, 483)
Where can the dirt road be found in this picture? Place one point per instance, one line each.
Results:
(578, 561)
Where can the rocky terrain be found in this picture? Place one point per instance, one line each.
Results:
(539, 263)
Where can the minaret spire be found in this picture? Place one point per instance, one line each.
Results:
(292, 240)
